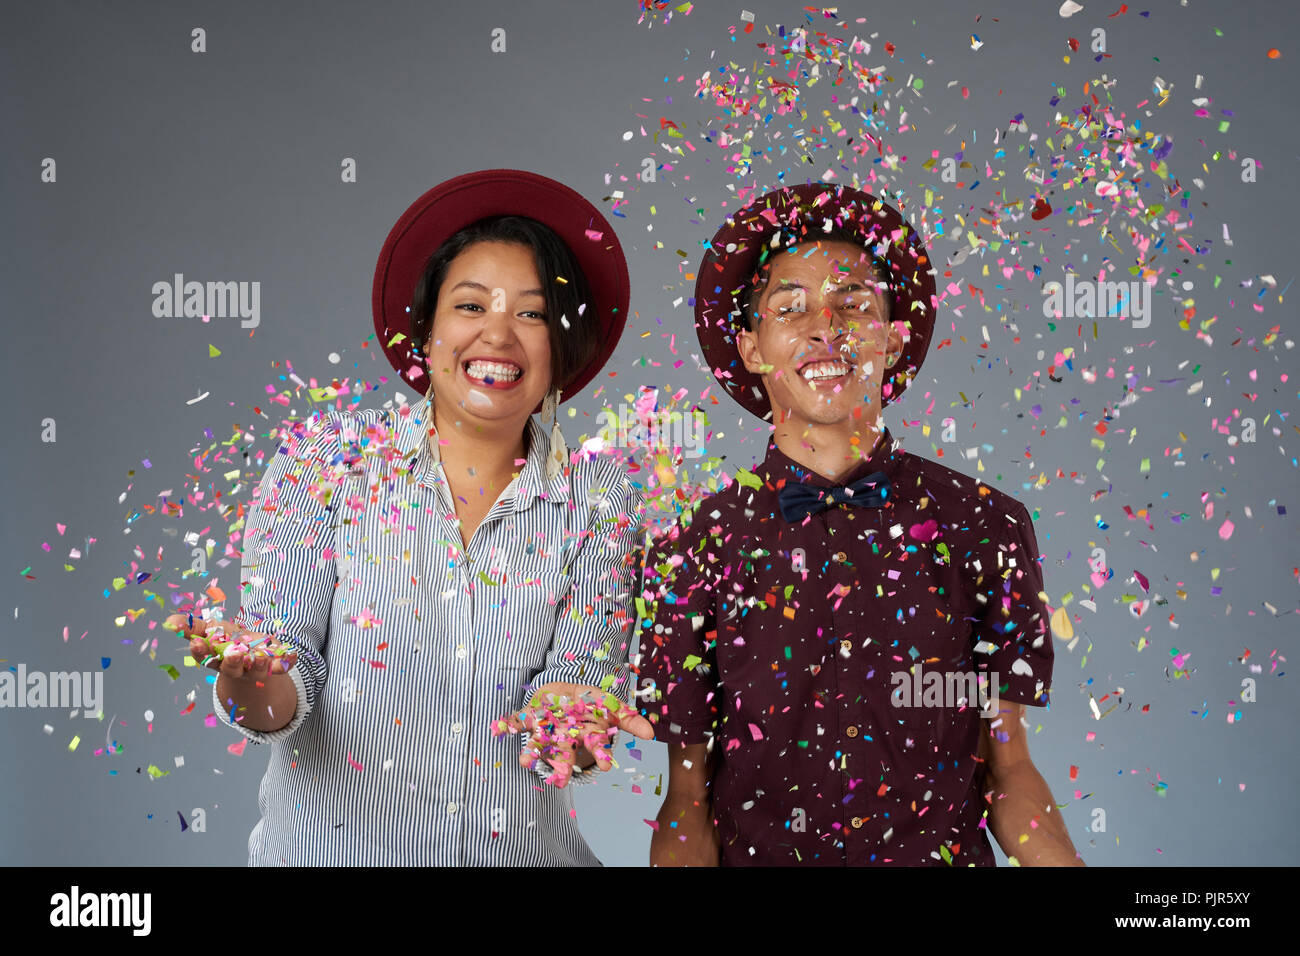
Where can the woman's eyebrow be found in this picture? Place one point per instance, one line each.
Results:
(480, 287)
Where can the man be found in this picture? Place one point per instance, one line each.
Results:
(829, 630)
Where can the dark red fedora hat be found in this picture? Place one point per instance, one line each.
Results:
(783, 218)
(454, 204)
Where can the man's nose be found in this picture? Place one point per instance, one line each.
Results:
(828, 325)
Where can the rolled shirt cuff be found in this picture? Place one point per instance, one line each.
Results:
(577, 778)
(222, 710)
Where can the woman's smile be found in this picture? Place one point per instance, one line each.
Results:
(493, 372)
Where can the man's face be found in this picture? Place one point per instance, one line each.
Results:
(823, 338)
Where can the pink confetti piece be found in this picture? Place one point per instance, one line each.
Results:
(238, 748)
(355, 766)
(925, 531)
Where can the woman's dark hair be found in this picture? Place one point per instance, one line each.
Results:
(758, 282)
(572, 347)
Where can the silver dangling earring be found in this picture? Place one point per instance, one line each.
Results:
(559, 450)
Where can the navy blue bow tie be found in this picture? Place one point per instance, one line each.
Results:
(799, 500)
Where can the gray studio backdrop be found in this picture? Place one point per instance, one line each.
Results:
(225, 165)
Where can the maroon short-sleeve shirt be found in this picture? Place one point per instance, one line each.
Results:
(806, 652)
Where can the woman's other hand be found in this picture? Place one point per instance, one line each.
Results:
(572, 726)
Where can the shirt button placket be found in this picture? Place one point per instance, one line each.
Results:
(842, 622)
(465, 661)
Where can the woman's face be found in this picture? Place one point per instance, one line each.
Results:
(490, 349)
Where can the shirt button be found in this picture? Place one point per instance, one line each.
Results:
(851, 730)
(460, 653)
(451, 808)
(846, 646)
(841, 557)
(857, 823)
(456, 727)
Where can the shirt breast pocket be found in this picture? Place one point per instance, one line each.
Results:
(526, 614)
(378, 534)
(936, 683)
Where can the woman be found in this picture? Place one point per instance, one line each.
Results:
(473, 566)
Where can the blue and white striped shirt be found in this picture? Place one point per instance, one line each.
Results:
(411, 644)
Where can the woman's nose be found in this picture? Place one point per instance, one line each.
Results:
(497, 327)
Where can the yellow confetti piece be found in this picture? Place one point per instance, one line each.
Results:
(74, 743)
(213, 351)
(1062, 627)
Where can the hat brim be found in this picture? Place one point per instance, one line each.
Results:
(454, 204)
(802, 212)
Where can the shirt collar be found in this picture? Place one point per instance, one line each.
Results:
(779, 468)
(419, 442)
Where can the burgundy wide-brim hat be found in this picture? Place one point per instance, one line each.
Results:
(454, 204)
(795, 214)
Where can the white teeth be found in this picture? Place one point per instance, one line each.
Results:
(497, 371)
(820, 370)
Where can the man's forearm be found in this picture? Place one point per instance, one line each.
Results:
(1024, 818)
(685, 834)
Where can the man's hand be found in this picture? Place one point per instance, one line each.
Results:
(572, 726)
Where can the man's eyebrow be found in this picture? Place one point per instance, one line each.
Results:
(854, 286)
(480, 287)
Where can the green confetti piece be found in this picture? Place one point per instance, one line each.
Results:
(157, 772)
(748, 479)
(171, 671)
(692, 661)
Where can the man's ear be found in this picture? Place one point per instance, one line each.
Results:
(747, 345)
(894, 345)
